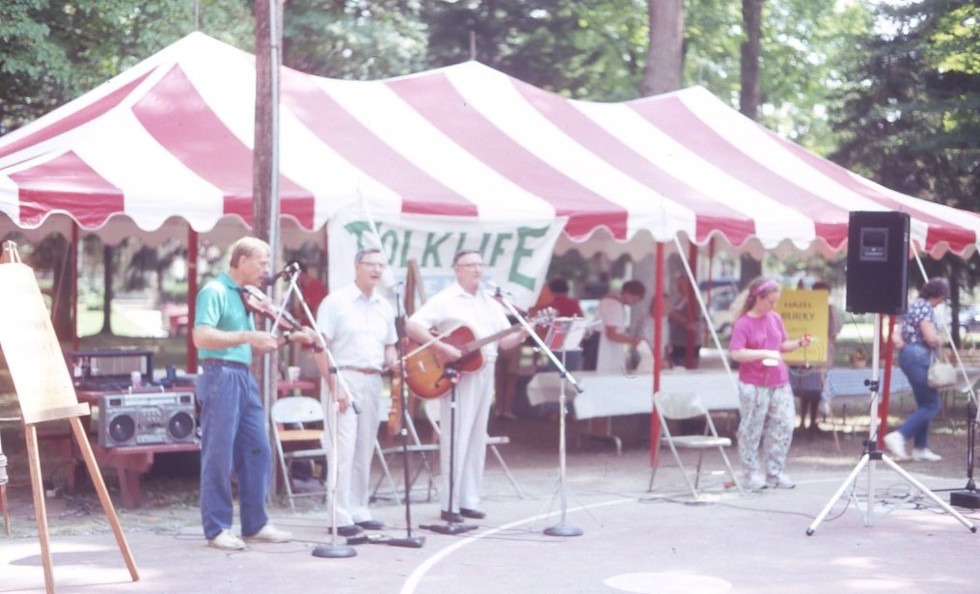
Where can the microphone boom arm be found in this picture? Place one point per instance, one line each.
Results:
(562, 370)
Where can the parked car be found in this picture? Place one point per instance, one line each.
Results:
(723, 302)
(969, 319)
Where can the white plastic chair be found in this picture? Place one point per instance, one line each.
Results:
(687, 405)
(415, 446)
(431, 407)
(298, 420)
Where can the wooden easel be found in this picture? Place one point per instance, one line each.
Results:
(45, 391)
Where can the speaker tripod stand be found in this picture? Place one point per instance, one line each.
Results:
(872, 455)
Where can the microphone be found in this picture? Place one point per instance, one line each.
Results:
(289, 270)
(496, 289)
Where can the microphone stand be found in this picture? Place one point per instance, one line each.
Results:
(451, 527)
(409, 541)
(561, 528)
(969, 497)
(331, 550)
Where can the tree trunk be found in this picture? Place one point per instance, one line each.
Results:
(662, 72)
(751, 51)
(107, 290)
(65, 283)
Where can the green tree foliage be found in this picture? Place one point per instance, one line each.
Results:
(354, 39)
(52, 51)
(591, 50)
(803, 42)
(911, 117)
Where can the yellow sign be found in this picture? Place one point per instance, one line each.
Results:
(36, 363)
(805, 312)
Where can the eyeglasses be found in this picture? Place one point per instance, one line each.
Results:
(472, 265)
(372, 264)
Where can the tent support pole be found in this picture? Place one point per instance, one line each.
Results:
(191, 298)
(658, 355)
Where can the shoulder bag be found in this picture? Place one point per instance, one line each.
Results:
(942, 374)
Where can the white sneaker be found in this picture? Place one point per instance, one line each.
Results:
(754, 483)
(227, 541)
(925, 455)
(270, 533)
(896, 445)
(780, 481)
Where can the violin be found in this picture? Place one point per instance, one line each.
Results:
(257, 302)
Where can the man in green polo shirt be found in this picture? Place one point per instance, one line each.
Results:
(233, 423)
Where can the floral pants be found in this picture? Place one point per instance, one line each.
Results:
(767, 419)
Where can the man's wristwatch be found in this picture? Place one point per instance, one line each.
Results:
(286, 335)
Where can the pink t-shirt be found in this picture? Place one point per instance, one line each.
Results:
(765, 332)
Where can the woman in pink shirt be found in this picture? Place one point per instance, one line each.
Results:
(765, 398)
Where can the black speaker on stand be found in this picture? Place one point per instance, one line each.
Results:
(877, 262)
(877, 282)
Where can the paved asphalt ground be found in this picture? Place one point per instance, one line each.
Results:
(633, 540)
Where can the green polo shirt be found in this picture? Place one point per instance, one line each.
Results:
(219, 305)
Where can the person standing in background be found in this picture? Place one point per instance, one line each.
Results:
(919, 342)
(765, 399)
(234, 439)
(683, 324)
(359, 327)
(611, 318)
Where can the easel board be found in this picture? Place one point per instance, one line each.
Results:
(37, 366)
(45, 392)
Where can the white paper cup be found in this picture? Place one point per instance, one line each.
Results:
(292, 373)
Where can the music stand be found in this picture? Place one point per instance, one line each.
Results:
(558, 335)
(563, 334)
(872, 454)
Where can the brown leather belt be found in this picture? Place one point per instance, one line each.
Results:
(364, 370)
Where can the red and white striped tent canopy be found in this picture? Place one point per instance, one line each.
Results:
(169, 143)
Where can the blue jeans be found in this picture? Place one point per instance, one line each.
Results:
(914, 360)
(234, 442)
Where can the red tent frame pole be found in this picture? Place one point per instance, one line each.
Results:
(887, 378)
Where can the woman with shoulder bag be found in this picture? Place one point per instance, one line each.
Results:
(919, 342)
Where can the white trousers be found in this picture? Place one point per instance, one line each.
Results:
(356, 434)
(474, 394)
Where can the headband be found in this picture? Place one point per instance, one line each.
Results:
(764, 287)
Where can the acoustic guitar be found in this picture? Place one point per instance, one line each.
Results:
(426, 375)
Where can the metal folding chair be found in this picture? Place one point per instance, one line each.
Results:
(297, 430)
(675, 406)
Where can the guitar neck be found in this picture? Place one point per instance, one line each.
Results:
(480, 342)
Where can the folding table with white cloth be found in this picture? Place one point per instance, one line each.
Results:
(608, 395)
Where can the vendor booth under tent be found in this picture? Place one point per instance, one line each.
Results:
(165, 149)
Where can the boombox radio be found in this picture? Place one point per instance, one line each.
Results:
(146, 418)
